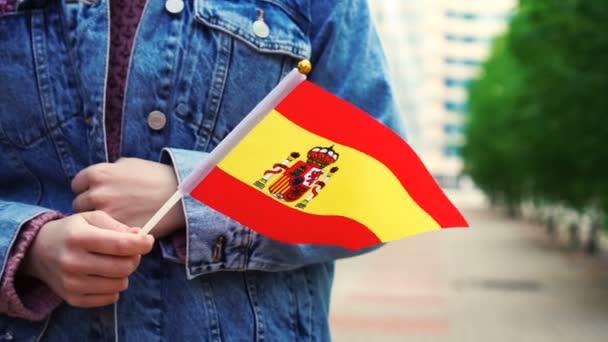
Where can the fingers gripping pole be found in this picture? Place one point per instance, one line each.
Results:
(161, 213)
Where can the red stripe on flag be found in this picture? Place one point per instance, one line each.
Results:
(326, 115)
(249, 206)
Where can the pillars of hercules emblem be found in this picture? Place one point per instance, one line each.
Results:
(315, 190)
(276, 169)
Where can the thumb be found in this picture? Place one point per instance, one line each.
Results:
(103, 220)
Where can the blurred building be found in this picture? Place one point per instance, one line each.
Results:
(435, 49)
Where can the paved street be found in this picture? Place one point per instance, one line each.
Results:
(501, 280)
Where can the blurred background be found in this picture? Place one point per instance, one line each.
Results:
(506, 102)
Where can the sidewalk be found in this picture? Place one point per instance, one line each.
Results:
(501, 280)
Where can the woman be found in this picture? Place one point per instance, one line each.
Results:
(96, 131)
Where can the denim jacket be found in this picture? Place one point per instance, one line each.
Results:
(204, 68)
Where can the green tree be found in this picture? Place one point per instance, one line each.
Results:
(537, 122)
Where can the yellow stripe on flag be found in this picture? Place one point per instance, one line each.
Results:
(363, 189)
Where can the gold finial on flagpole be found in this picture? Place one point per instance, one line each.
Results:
(305, 67)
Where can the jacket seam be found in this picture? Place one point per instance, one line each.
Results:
(46, 94)
(73, 61)
(309, 319)
(215, 323)
(253, 302)
(216, 91)
(187, 265)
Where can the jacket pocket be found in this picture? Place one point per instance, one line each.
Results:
(256, 43)
(269, 26)
(35, 94)
(21, 114)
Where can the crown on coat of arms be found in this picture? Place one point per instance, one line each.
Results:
(302, 180)
(322, 156)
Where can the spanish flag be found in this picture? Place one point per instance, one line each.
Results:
(315, 169)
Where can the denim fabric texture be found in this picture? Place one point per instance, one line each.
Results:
(204, 68)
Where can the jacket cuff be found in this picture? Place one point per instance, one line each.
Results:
(23, 296)
(214, 242)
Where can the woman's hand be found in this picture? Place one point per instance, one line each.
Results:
(86, 258)
(131, 190)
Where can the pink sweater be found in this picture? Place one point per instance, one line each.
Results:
(28, 298)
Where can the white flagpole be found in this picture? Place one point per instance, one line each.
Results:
(257, 114)
(153, 221)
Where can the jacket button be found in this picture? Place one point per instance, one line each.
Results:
(174, 6)
(260, 28)
(157, 120)
(218, 249)
(182, 110)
